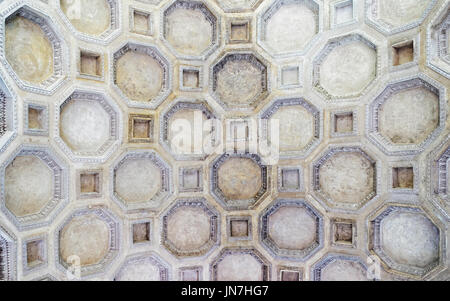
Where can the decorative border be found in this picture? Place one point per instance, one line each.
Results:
(106, 37)
(376, 241)
(156, 54)
(437, 177)
(147, 257)
(32, 10)
(8, 244)
(114, 225)
(268, 13)
(299, 170)
(316, 270)
(185, 104)
(416, 81)
(116, 124)
(212, 17)
(332, 44)
(214, 237)
(240, 55)
(8, 101)
(266, 267)
(372, 18)
(37, 106)
(60, 187)
(435, 40)
(233, 218)
(27, 269)
(166, 180)
(229, 204)
(269, 110)
(328, 201)
(289, 254)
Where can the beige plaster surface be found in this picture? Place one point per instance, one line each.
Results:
(28, 185)
(291, 28)
(139, 76)
(239, 178)
(84, 125)
(296, 127)
(402, 12)
(239, 267)
(87, 237)
(292, 228)
(409, 116)
(347, 178)
(238, 83)
(348, 69)
(92, 17)
(343, 270)
(139, 271)
(28, 50)
(137, 180)
(188, 228)
(410, 239)
(188, 31)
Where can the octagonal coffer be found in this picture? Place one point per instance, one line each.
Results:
(413, 250)
(142, 75)
(33, 53)
(393, 16)
(286, 19)
(143, 267)
(299, 126)
(337, 267)
(438, 42)
(407, 116)
(88, 126)
(291, 229)
(91, 20)
(190, 29)
(240, 264)
(141, 180)
(239, 81)
(189, 129)
(190, 228)
(345, 178)
(239, 181)
(34, 183)
(346, 67)
(89, 238)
